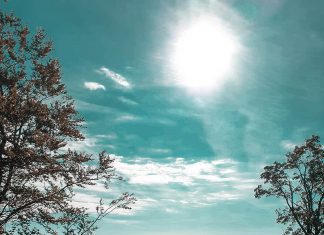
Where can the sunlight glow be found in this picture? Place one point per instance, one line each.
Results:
(203, 55)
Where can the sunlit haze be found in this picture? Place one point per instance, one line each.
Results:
(203, 54)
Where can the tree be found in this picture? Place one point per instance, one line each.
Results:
(300, 183)
(38, 176)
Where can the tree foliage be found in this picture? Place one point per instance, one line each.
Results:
(300, 183)
(38, 175)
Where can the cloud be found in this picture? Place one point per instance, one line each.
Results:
(179, 183)
(288, 145)
(110, 136)
(127, 101)
(170, 183)
(223, 195)
(117, 78)
(129, 67)
(156, 150)
(146, 171)
(86, 200)
(86, 145)
(92, 86)
(126, 117)
(90, 196)
(171, 210)
(92, 144)
(92, 107)
(182, 182)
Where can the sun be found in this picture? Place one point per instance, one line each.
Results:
(203, 55)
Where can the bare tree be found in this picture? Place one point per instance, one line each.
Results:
(37, 119)
(300, 183)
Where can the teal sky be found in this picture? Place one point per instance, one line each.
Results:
(191, 156)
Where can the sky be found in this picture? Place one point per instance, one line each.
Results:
(192, 98)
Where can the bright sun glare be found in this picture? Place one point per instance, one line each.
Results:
(203, 55)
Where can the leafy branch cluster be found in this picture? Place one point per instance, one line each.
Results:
(37, 119)
(300, 183)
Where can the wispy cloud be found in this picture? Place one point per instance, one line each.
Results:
(288, 145)
(179, 182)
(92, 143)
(126, 118)
(156, 150)
(175, 183)
(86, 145)
(127, 101)
(117, 78)
(177, 170)
(94, 86)
(223, 195)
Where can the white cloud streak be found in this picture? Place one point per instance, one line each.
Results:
(127, 101)
(145, 171)
(117, 78)
(178, 182)
(126, 118)
(92, 86)
(155, 184)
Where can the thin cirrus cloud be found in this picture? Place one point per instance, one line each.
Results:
(92, 86)
(176, 182)
(117, 78)
(179, 182)
(177, 170)
(127, 101)
(126, 117)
